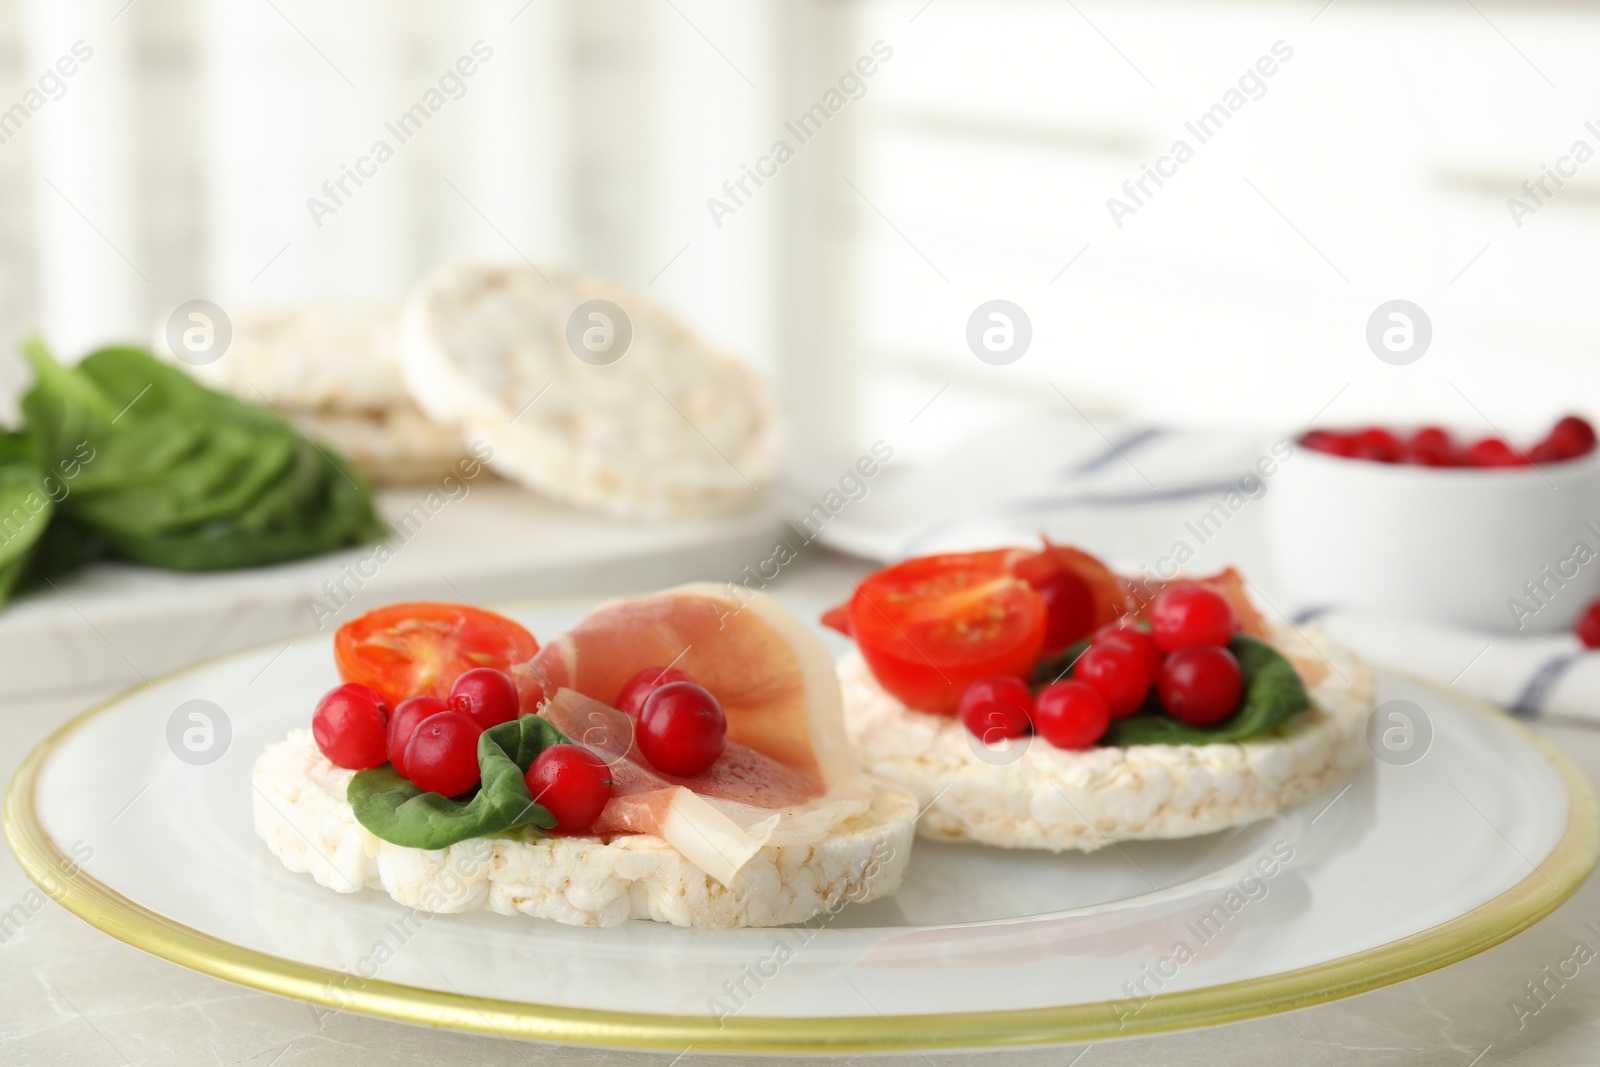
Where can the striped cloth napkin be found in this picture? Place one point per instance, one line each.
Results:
(1527, 674)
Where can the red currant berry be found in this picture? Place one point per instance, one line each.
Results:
(573, 783)
(1191, 615)
(1550, 450)
(442, 756)
(997, 688)
(1120, 672)
(682, 729)
(487, 696)
(992, 721)
(351, 726)
(1431, 447)
(640, 686)
(1575, 435)
(1377, 444)
(1588, 626)
(1493, 452)
(1330, 443)
(404, 722)
(1071, 714)
(1134, 638)
(1069, 609)
(1200, 685)
(996, 708)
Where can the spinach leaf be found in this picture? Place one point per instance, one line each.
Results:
(165, 472)
(308, 512)
(1273, 693)
(25, 511)
(400, 813)
(1054, 668)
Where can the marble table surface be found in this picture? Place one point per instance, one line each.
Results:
(71, 995)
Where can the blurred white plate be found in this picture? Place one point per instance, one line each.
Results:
(1408, 869)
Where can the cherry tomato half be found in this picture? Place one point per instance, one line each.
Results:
(407, 650)
(929, 627)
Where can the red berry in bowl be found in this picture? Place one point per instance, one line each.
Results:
(1588, 626)
(404, 722)
(1574, 434)
(351, 727)
(1191, 614)
(996, 708)
(1071, 715)
(1200, 685)
(1120, 672)
(1550, 450)
(442, 755)
(1377, 444)
(1334, 444)
(487, 696)
(573, 783)
(682, 729)
(1493, 452)
(640, 686)
(1431, 447)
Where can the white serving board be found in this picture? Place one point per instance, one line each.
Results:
(114, 623)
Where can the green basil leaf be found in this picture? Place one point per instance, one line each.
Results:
(1273, 692)
(400, 813)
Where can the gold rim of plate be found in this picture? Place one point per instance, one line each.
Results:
(1545, 888)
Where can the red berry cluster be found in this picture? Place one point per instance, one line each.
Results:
(1183, 655)
(681, 730)
(434, 744)
(1430, 446)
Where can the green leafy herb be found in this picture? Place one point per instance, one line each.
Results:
(137, 457)
(25, 512)
(1054, 668)
(400, 813)
(1273, 692)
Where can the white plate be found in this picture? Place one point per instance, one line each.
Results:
(1405, 870)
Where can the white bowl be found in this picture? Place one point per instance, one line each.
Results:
(1503, 549)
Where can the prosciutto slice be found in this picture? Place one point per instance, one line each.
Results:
(770, 672)
(786, 775)
(718, 819)
(741, 773)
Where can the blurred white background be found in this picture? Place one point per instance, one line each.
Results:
(177, 162)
